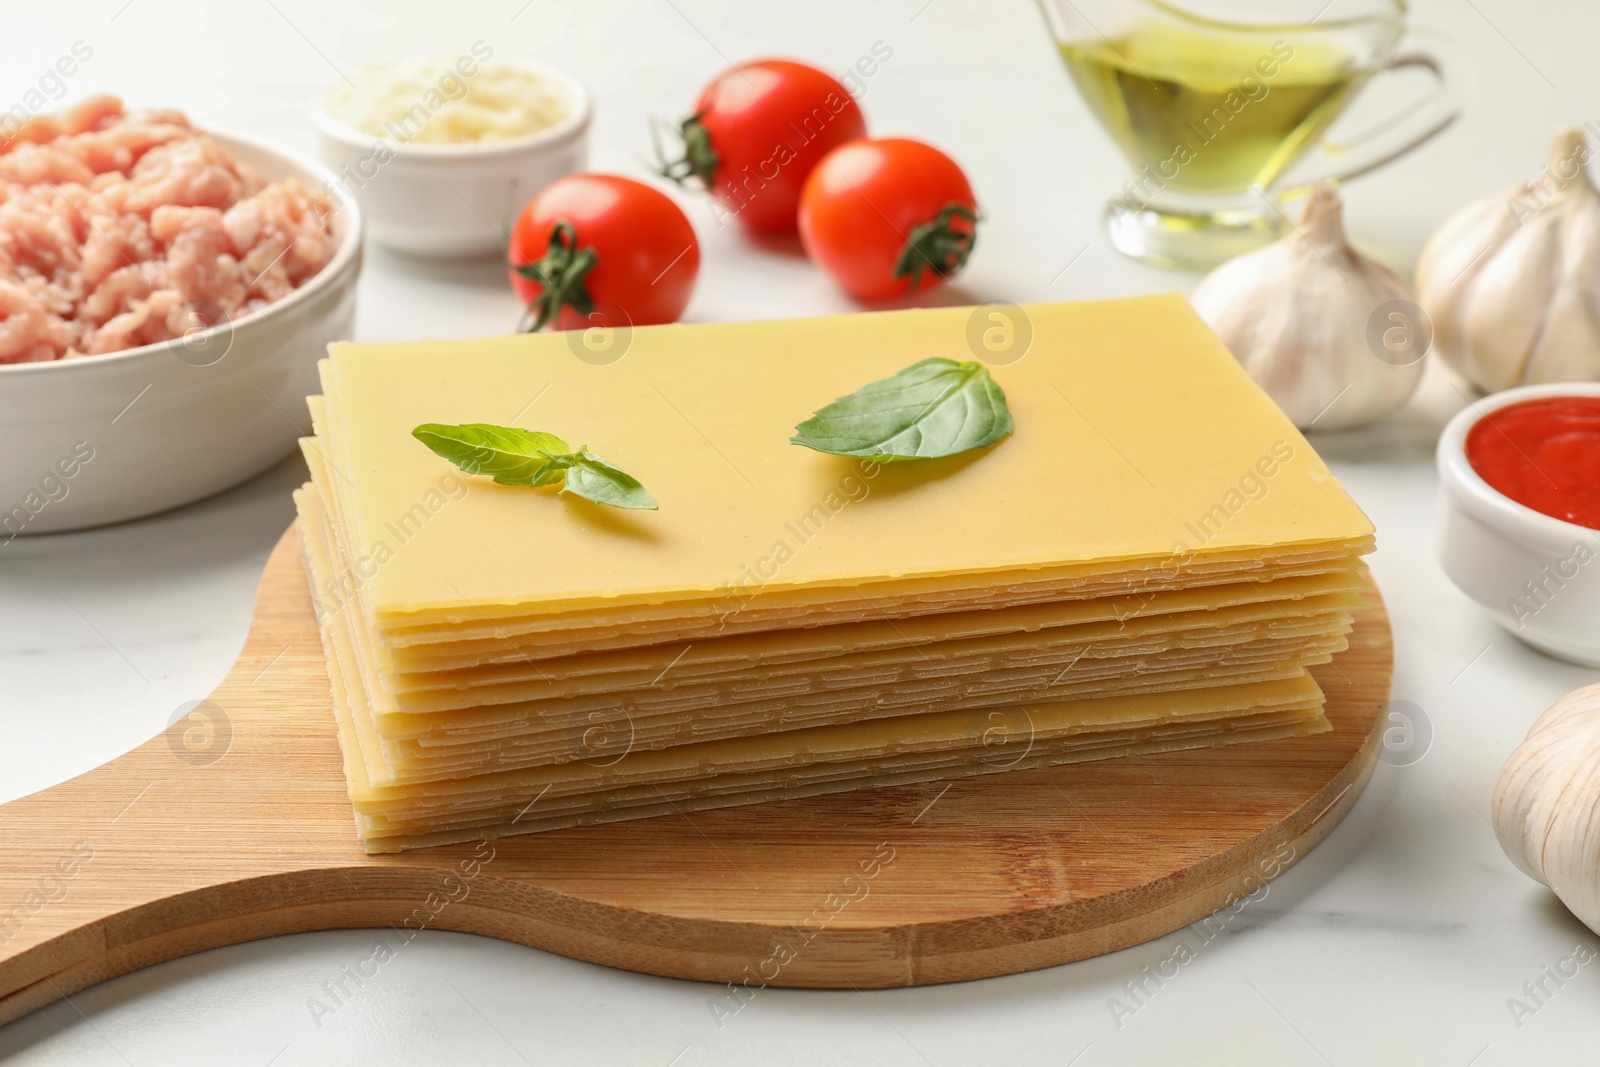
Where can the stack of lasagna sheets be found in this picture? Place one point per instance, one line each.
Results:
(1150, 562)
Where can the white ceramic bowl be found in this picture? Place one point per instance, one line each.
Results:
(1538, 576)
(448, 199)
(169, 423)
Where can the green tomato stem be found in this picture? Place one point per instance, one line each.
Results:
(699, 159)
(938, 246)
(560, 275)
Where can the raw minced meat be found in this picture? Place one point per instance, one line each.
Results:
(119, 230)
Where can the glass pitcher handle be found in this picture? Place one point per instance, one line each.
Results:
(1388, 140)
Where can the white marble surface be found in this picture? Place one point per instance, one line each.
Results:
(1399, 941)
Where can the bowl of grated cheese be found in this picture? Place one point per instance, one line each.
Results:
(442, 152)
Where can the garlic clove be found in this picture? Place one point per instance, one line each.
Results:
(1507, 309)
(1457, 245)
(1568, 349)
(1296, 314)
(1569, 346)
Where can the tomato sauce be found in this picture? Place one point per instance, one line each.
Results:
(1544, 454)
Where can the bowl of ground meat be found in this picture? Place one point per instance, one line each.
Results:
(165, 294)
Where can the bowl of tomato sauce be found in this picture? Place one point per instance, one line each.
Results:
(1519, 524)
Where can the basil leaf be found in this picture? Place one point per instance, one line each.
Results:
(529, 457)
(935, 407)
(594, 479)
(509, 455)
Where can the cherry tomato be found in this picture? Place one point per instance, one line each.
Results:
(888, 215)
(756, 133)
(601, 250)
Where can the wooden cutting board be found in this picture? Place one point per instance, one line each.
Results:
(234, 825)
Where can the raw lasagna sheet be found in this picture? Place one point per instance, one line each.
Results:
(1202, 457)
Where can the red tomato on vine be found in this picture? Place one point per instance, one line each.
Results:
(756, 133)
(593, 248)
(886, 216)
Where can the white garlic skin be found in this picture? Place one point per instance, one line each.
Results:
(1512, 281)
(1295, 315)
(1547, 803)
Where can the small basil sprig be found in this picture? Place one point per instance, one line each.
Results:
(529, 457)
(935, 407)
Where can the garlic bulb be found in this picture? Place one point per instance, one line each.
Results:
(1306, 318)
(1547, 801)
(1512, 281)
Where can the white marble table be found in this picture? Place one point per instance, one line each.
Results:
(1400, 940)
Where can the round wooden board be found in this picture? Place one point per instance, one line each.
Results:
(172, 849)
